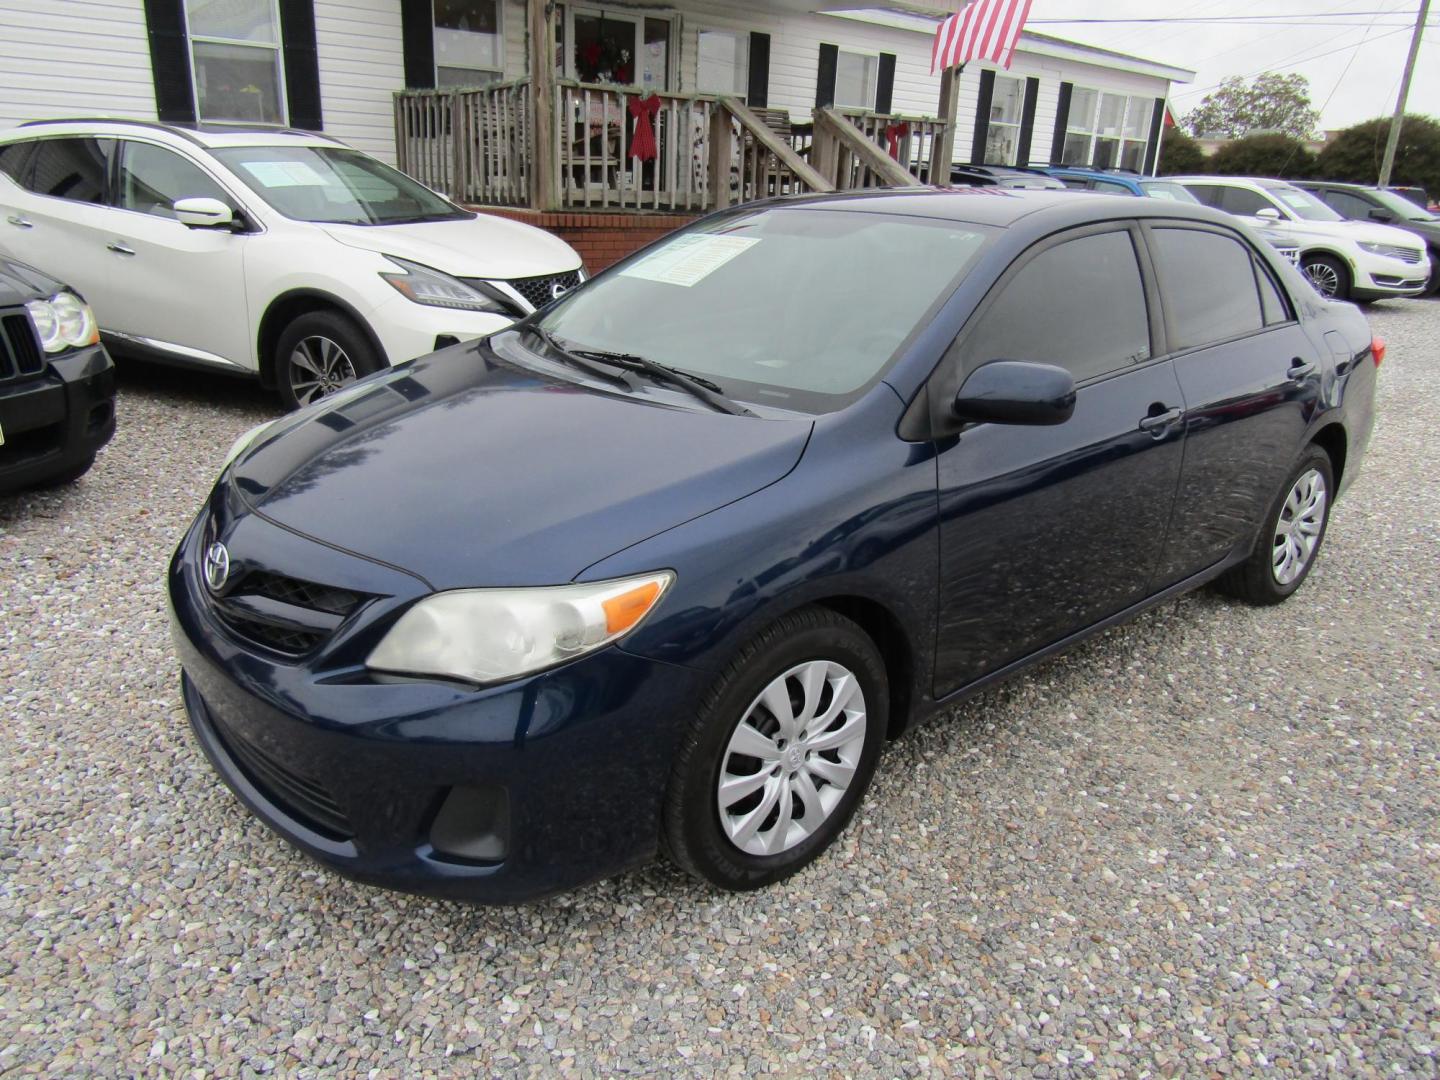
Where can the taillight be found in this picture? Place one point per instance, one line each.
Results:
(1377, 350)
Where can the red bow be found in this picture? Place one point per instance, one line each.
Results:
(642, 147)
(893, 134)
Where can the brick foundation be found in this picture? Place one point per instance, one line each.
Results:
(601, 239)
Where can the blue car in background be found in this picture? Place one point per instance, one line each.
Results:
(1119, 182)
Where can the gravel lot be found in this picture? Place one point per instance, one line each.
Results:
(1204, 843)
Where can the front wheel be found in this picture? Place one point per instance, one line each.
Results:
(319, 353)
(1329, 276)
(779, 754)
(1290, 542)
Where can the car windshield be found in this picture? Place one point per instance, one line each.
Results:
(1303, 205)
(1402, 207)
(794, 307)
(1167, 189)
(335, 185)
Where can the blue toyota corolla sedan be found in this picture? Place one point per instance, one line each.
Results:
(661, 568)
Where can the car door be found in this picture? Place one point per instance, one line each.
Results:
(1045, 531)
(1251, 381)
(179, 288)
(53, 213)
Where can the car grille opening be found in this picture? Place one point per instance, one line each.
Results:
(1395, 251)
(20, 352)
(302, 797)
(285, 615)
(539, 291)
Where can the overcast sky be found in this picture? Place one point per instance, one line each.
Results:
(1348, 83)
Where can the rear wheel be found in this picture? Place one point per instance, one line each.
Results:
(1290, 542)
(780, 753)
(319, 353)
(1329, 276)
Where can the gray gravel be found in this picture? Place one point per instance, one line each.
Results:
(1203, 844)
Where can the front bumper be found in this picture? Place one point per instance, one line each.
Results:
(359, 773)
(407, 329)
(55, 421)
(1378, 277)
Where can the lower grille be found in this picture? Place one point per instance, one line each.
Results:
(302, 797)
(20, 352)
(539, 291)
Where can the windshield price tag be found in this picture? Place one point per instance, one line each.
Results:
(690, 259)
(274, 174)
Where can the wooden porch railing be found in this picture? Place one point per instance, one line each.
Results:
(915, 139)
(846, 156)
(472, 145)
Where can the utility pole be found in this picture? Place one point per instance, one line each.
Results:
(1399, 118)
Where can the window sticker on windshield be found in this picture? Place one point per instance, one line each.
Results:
(275, 174)
(1297, 199)
(690, 259)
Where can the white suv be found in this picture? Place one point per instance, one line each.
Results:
(1344, 260)
(285, 255)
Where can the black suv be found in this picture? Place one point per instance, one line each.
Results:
(1387, 206)
(57, 384)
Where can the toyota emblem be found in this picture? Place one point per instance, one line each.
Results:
(217, 566)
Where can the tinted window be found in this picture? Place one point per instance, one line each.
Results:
(151, 179)
(1208, 282)
(70, 168)
(1347, 205)
(1073, 182)
(1080, 305)
(12, 159)
(1234, 200)
(1208, 194)
(1271, 303)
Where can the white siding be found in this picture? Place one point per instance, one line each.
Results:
(74, 58)
(362, 64)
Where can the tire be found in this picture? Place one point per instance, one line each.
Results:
(712, 843)
(318, 353)
(1263, 578)
(1329, 276)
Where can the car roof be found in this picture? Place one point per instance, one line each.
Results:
(1267, 183)
(209, 136)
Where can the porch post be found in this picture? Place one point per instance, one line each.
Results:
(543, 151)
(944, 151)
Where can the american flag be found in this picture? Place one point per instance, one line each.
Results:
(985, 30)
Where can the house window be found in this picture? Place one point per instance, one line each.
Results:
(722, 62)
(856, 75)
(1002, 136)
(1107, 130)
(469, 44)
(605, 46)
(235, 56)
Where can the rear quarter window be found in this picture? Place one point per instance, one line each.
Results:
(13, 157)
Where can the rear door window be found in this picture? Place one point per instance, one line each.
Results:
(74, 168)
(1079, 305)
(1209, 285)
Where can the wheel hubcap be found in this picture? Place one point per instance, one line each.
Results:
(1298, 530)
(318, 368)
(791, 757)
(1323, 277)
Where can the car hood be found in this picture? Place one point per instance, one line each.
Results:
(484, 246)
(1355, 231)
(470, 471)
(20, 282)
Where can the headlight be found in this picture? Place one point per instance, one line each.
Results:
(63, 322)
(488, 635)
(434, 289)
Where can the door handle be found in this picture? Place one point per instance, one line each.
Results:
(1299, 369)
(20, 221)
(119, 248)
(1157, 424)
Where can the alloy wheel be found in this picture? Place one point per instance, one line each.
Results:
(318, 367)
(1297, 532)
(791, 757)
(1323, 277)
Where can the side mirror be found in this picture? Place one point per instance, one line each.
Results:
(1269, 213)
(1379, 214)
(204, 213)
(1016, 392)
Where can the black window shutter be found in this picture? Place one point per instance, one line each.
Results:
(757, 94)
(417, 33)
(1062, 119)
(170, 60)
(885, 83)
(302, 64)
(1027, 122)
(982, 117)
(1157, 125)
(825, 75)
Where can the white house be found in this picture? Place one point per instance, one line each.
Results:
(334, 65)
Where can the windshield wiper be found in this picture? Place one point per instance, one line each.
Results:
(583, 362)
(701, 388)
